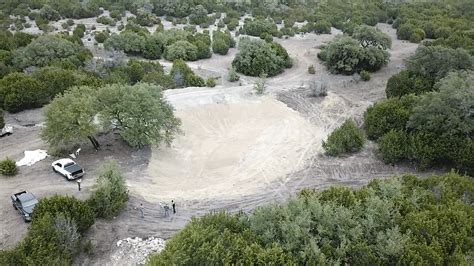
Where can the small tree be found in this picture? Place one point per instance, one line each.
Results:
(211, 82)
(8, 167)
(393, 146)
(322, 27)
(365, 75)
(68, 238)
(70, 207)
(311, 70)
(372, 37)
(318, 88)
(110, 195)
(347, 138)
(232, 76)
(260, 83)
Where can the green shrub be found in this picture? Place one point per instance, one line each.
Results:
(70, 207)
(427, 61)
(417, 35)
(101, 37)
(394, 146)
(104, 20)
(232, 75)
(386, 115)
(372, 37)
(49, 49)
(8, 167)
(129, 42)
(159, 78)
(260, 84)
(347, 138)
(405, 31)
(258, 26)
(19, 92)
(338, 224)
(311, 70)
(442, 32)
(219, 46)
(181, 50)
(344, 55)
(322, 27)
(365, 75)
(224, 234)
(405, 83)
(184, 77)
(194, 80)
(211, 82)
(256, 56)
(232, 25)
(110, 195)
(322, 55)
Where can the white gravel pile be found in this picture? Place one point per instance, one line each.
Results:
(134, 251)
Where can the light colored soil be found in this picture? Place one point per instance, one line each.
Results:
(230, 149)
(238, 150)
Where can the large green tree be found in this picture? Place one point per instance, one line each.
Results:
(69, 118)
(139, 113)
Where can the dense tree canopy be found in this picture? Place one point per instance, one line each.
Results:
(384, 222)
(19, 91)
(433, 129)
(49, 49)
(426, 61)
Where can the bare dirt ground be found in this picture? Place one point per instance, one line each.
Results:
(238, 151)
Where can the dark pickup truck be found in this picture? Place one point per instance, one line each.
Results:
(24, 202)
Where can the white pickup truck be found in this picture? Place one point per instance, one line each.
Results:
(68, 168)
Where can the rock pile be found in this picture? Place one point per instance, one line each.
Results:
(134, 251)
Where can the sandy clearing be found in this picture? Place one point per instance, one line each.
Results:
(229, 150)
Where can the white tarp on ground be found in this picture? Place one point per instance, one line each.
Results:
(32, 157)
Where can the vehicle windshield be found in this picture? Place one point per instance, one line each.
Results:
(30, 203)
(68, 164)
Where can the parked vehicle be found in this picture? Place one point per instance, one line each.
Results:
(24, 202)
(68, 168)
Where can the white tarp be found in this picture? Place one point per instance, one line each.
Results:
(32, 157)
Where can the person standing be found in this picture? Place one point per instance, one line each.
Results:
(79, 184)
(141, 211)
(174, 206)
